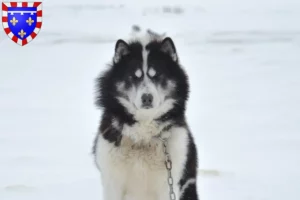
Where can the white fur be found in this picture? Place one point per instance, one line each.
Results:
(136, 171)
(133, 102)
(145, 57)
(151, 72)
(138, 73)
(142, 132)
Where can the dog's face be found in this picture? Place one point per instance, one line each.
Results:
(148, 80)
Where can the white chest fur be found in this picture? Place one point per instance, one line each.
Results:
(133, 171)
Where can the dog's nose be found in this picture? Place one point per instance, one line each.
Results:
(147, 100)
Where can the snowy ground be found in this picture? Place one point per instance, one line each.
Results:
(243, 59)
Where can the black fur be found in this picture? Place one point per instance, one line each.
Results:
(190, 172)
(190, 193)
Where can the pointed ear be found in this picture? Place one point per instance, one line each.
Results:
(121, 49)
(168, 47)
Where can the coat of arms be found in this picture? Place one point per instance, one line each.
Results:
(22, 21)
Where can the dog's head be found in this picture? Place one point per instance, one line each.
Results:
(145, 80)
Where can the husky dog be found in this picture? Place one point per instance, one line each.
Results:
(143, 97)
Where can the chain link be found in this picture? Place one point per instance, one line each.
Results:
(168, 164)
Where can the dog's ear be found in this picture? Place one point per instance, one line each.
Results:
(121, 49)
(168, 47)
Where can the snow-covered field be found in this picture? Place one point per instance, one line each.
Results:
(243, 58)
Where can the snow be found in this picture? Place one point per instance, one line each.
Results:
(243, 61)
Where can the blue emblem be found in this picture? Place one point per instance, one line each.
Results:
(22, 21)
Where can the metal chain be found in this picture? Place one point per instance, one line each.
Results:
(168, 164)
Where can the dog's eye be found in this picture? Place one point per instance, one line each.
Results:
(152, 73)
(138, 73)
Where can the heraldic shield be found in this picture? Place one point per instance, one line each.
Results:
(22, 21)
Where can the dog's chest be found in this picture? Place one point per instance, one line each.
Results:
(140, 168)
(139, 158)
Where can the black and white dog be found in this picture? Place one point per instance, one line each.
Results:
(143, 96)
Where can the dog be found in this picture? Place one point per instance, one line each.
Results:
(144, 148)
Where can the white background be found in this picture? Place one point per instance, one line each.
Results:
(243, 60)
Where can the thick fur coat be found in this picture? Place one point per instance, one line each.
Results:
(143, 96)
